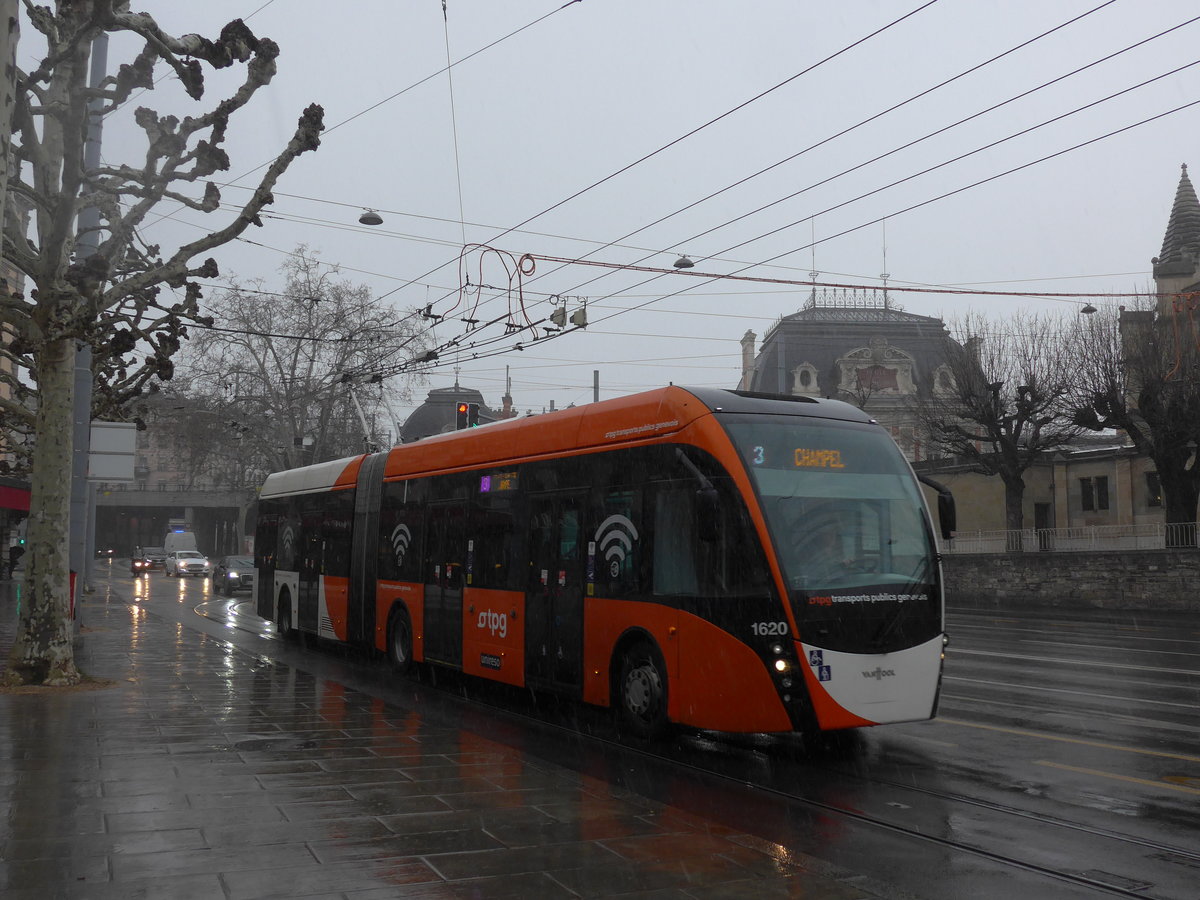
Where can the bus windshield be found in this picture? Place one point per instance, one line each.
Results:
(843, 507)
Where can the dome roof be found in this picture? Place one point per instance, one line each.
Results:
(832, 325)
(437, 414)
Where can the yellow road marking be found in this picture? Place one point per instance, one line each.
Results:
(1115, 777)
(1067, 740)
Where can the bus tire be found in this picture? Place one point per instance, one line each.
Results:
(642, 690)
(283, 617)
(400, 641)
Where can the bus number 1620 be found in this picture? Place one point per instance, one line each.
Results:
(769, 629)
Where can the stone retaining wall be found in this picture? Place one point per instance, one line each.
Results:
(1141, 579)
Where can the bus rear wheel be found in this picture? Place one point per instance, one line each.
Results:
(642, 691)
(400, 641)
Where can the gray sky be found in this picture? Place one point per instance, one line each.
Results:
(599, 84)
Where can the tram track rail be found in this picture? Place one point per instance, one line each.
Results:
(1089, 880)
(1077, 879)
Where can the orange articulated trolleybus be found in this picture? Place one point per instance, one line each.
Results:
(717, 559)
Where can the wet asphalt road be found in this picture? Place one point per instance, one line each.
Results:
(1064, 762)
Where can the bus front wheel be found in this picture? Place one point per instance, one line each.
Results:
(642, 691)
(400, 641)
(283, 620)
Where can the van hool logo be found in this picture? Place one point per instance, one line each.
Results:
(880, 673)
(401, 538)
(615, 538)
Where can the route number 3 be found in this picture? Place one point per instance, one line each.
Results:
(769, 629)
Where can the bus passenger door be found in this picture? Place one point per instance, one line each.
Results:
(554, 594)
(445, 572)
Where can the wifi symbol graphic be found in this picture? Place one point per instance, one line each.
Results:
(401, 538)
(289, 542)
(615, 538)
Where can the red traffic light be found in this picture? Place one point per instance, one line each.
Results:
(461, 411)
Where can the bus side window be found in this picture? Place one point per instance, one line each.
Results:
(494, 529)
(675, 540)
(335, 533)
(311, 518)
(289, 536)
(619, 538)
(266, 534)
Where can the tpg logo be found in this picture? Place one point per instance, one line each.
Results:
(880, 673)
(496, 623)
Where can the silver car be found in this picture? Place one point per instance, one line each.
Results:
(188, 562)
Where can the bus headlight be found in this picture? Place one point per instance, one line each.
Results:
(777, 649)
(781, 665)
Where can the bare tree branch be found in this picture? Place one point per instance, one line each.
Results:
(1006, 401)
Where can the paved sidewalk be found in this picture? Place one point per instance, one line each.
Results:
(208, 772)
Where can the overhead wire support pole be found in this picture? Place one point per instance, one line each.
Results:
(462, 217)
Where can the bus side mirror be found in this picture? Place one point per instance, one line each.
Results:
(947, 512)
(708, 514)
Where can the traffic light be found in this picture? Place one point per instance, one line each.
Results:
(461, 413)
(472, 415)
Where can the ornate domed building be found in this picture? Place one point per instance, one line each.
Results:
(438, 414)
(853, 345)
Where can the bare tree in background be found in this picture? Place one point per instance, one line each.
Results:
(113, 300)
(1005, 401)
(1138, 371)
(288, 372)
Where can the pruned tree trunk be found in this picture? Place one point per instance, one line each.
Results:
(101, 284)
(1180, 496)
(42, 652)
(1014, 511)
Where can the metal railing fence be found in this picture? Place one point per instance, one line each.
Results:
(1076, 539)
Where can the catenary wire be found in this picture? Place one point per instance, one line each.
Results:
(909, 144)
(1110, 56)
(542, 340)
(908, 209)
(923, 93)
(390, 97)
(864, 122)
(689, 134)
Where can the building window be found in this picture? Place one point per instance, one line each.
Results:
(1093, 493)
(1153, 489)
(804, 379)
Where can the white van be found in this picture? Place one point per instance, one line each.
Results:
(179, 540)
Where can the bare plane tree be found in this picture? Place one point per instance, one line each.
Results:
(296, 371)
(1138, 370)
(120, 298)
(1005, 402)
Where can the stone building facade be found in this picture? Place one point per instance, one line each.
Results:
(858, 346)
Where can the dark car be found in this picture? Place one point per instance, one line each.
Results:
(145, 559)
(233, 573)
